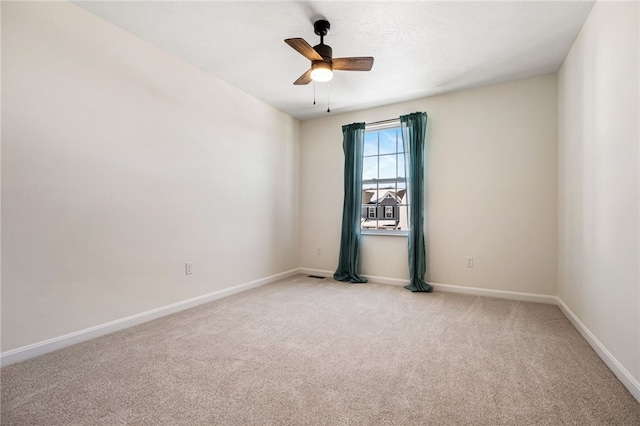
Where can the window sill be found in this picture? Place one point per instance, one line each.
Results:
(385, 233)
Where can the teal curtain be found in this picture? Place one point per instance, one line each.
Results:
(349, 261)
(414, 128)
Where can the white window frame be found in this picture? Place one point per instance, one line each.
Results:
(388, 124)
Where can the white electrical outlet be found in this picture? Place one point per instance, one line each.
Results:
(188, 268)
(319, 251)
(469, 260)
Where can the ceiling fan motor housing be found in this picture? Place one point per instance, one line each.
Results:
(325, 51)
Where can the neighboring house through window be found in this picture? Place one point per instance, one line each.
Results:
(384, 186)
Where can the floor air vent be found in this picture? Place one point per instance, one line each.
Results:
(316, 276)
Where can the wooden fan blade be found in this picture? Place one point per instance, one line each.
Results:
(304, 48)
(304, 78)
(363, 63)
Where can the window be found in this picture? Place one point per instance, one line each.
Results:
(384, 186)
(388, 212)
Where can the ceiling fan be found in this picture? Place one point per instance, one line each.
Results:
(321, 57)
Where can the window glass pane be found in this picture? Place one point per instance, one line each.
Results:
(387, 141)
(368, 193)
(387, 166)
(402, 192)
(370, 187)
(371, 143)
(384, 198)
(369, 168)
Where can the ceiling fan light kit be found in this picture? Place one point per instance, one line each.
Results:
(321, 71)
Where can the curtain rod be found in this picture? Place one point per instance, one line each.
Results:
(393, 120)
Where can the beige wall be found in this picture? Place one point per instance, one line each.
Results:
(491, 189)
(120, 163)
(599, 187)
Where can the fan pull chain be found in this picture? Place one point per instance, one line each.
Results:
(314, 92)
(328, 97)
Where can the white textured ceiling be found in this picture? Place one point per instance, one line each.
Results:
(421, 48)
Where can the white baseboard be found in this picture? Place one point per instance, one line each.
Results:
(632, 385)
(316, 272)
(501, 294)
(472, 291)
(50, 345)
(371, 278)
(385, 280)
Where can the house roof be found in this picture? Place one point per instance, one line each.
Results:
(372, 196)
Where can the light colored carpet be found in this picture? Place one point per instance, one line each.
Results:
(317, 352)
